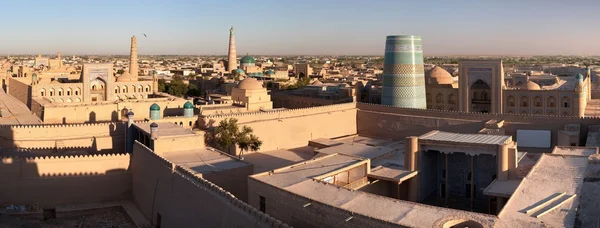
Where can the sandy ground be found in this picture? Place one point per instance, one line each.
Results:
(105, 219)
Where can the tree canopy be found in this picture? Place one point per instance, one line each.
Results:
(228, 133)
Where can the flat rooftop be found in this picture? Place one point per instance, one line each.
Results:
(551, 176)
(391, 172)
(297, 179)
(359, 150)
(165, 129)
(502, 188)
(204, 160)
(448, 137)
(575, 151)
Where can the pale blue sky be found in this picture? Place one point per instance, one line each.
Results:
(201, 27)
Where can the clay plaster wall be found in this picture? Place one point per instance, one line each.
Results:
(398, 123)
(100, 137)
(184, 200)
(179, 143)
(289, 208)
(294, 128)
(52, 181)
(19, 90)
(109, 111)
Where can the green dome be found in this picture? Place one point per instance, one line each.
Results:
(188, 104)
(247, 59)
(154, 107)
(579, 77)
(270, 72)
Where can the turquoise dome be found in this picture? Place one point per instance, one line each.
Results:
(247, 59)
(270, 72)
(239, 71)
(579, 77)
(188, 104)
(154, 107)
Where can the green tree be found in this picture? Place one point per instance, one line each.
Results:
(162, 85)
(228, 133)
(177, 88)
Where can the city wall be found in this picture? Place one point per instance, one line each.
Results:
(94, 138)
(109, 111)
(290, 208)
(51, 181)
(20, 91)
(398, 123)
(294, 128)
(161, 188)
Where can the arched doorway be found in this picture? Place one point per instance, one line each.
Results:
(480, 96)
(98, 89)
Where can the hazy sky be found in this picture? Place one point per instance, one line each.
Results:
(201, 27)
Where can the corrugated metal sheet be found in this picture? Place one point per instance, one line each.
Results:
(465, 138)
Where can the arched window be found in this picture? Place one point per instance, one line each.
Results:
(511, 101)
(117, 89)
(537, 101)
(524, 101)
(484, 96)
(132, 89)
(551, 102)
(51, 92)
(42, 92)
(139, 88)
(566, 102)
(77, 92)
(439, 98)
(147, 89)
(124, 89)
(451, 99)
(60, 92)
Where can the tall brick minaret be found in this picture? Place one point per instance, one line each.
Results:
(231, 56)
(133, 59)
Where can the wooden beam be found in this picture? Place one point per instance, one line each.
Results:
(555, 206)
(544, 203)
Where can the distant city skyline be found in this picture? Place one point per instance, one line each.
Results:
(186, 27)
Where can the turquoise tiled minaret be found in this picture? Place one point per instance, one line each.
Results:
(403, 73)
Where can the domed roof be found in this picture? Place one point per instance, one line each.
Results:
(250, 83)
(240, 71)
(317, 82)
(153, 124)
(579, 77)
(154, 107)
(188, 104)
(532, 86)
(270, 72)
(247, 59)
(125, 77)
(440, 76)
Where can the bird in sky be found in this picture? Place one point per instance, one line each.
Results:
(145, 35)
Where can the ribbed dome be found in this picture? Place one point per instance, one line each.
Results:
(125, 77)
(154, 107)
(440, 76)
(188, 104)
(250, 83)
(532, 86)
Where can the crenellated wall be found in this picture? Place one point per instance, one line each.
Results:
(93, 138)
(294, 128)
(185, 200)
(51, 181)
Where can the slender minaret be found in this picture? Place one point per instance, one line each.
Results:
(133, 59)
(231, 56)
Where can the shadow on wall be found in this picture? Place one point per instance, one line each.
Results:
(35, 184)
(74, 141)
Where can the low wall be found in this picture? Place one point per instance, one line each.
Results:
(398, 123)
(284, 100)
(290, 209)
(94, 138)
(161, 188)
(52, 181)
(294, 128)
